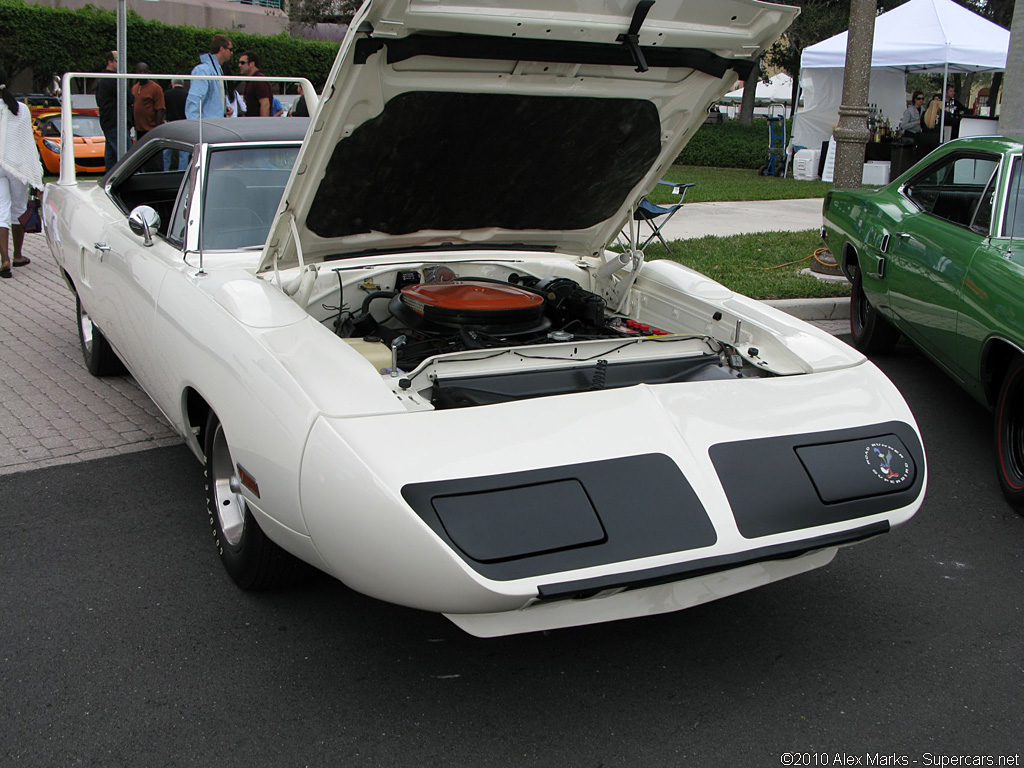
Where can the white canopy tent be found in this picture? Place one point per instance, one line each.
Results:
(918, 36)
(778, 90)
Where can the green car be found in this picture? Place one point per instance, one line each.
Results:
(937, 256)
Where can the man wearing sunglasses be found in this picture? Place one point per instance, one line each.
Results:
(206, 97)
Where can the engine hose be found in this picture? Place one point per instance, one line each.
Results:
(375, 295)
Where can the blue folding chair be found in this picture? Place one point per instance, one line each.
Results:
(657, 216)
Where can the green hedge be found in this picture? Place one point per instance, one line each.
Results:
(52, 41)
(729, 145)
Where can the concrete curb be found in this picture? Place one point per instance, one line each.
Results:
(814, 309)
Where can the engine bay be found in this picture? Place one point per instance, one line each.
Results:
(491, 334)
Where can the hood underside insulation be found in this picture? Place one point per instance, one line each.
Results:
(461, 161)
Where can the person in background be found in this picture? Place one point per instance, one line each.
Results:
(276, 107)
(236, 103)
(206, 97)
(174, 101)
(20, 169)
(910, 123)
(106, 103)
(930, 126)
(149, 102)
(954, 111)
(258, 96)
(299, 108)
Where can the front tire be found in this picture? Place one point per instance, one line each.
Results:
(252, 560)
(100, 358)
(872, 333)
(1009, 435)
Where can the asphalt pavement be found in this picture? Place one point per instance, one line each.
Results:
(123, 643)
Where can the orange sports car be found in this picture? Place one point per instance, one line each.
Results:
(88, 137)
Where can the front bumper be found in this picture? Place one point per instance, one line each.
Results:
(404, 507)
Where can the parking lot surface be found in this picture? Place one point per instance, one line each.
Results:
(52, 410)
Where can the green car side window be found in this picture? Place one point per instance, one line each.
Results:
(983, 216)
(953, 189)
(1013, 221)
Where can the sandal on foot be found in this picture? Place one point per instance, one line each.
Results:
(5, 272)
(22, 262)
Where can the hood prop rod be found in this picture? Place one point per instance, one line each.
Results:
(631, 39)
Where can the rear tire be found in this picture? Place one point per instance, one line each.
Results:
(100, 358)
(872, 333)
(252, 560)
(1009, 435)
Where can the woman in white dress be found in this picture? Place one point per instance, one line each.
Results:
(20, 169)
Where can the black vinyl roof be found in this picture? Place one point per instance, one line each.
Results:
(226, 130)
(221, 131)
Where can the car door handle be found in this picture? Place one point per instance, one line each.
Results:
(101, 247)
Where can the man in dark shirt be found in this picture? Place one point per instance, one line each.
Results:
(174, 101)
(258, 96)
(954, 111)
(106, 102)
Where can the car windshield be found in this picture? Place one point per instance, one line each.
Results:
(243, 190)
(81, 125)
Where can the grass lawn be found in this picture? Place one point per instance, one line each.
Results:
(750, 264)
(720, 184)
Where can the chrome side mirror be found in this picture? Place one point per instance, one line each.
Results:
(144, 221)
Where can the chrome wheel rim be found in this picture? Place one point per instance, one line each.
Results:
(85, 328)
(230, 506)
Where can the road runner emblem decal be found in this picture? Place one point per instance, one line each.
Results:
(887, 463)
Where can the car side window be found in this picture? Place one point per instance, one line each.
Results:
(179, 216)
(954, 188)
(983, 215)
(149, 184)
(1013, 221)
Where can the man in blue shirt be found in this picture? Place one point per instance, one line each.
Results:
(206, 97)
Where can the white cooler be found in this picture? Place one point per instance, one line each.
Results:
(876, 172)
(805, 164)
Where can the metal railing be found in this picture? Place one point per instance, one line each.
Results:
(67, 159)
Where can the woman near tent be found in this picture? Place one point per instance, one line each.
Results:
(930, 124)
(910, 123)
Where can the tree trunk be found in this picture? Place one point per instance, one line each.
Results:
(749, 91)
(794, 93)
(1011, 115)
(852, 132)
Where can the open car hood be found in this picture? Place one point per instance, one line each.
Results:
(525, 124)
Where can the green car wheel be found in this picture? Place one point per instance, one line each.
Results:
(1009, 428)
(872, 333)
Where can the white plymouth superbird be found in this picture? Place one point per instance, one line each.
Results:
(397, 339)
